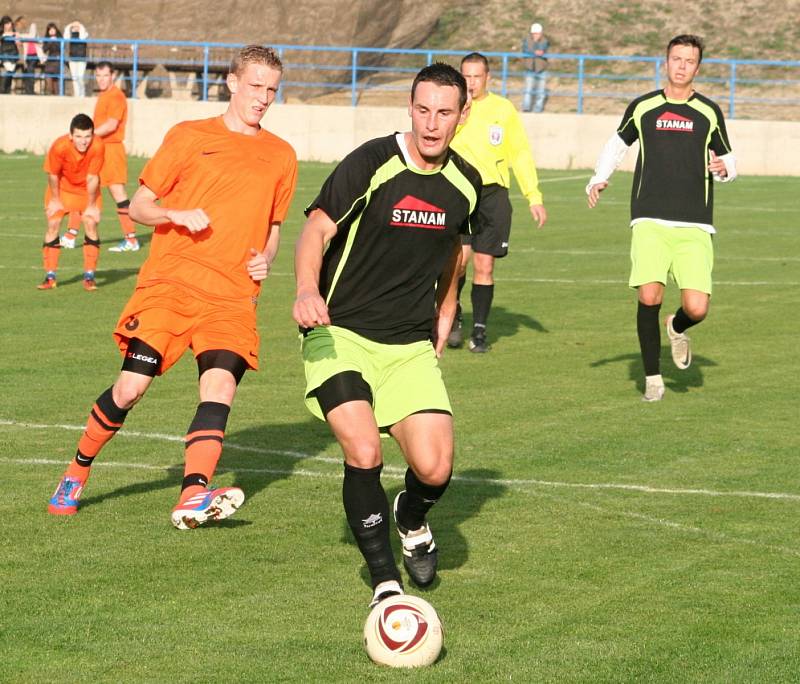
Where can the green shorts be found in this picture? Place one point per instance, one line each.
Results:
(404, 378)
(657, 251)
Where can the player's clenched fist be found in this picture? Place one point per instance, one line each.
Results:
(193, 219)
(310, 310)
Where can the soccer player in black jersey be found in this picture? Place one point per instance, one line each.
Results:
(384, 230)
(683, 149)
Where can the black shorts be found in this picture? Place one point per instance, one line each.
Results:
(493, 223)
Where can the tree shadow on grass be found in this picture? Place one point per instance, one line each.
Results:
(675, 380)
(468, 492)
(257, 457)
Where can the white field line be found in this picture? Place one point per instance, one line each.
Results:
(298, 455)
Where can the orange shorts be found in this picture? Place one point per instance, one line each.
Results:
(115, 165)
(172, 319)
(72, 201)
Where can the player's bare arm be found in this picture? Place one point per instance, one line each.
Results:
(594, 193)
(260, 263)
(107, 127)
(309, 308)
(447, 300)
(54, 205)
(146, 211)
(717, 165)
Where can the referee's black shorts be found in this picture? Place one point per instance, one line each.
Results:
(490, 235)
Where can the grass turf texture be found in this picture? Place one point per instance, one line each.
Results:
(586, 536)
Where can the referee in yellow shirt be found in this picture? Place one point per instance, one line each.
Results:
(492, 140)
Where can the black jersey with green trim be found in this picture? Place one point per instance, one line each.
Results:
(672, 181)
(396, 228)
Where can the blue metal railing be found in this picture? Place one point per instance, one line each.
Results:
(357, 70)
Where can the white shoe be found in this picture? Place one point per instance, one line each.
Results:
(681, 346)
(126, 246)
(67, 242)
(653, 388)
(385, 590)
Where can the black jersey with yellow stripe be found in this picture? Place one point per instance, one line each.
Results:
(396, 227)
(672, 181)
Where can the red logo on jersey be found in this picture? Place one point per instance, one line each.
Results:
(669, 121)
(411, 212)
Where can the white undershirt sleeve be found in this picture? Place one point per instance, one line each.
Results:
(610, 158)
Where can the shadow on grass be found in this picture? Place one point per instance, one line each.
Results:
(675, 380)
(505, 323)
(465, 497)
(104, 277)
(257, 457)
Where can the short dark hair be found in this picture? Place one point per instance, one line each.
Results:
(104, 64)
(81, 122)
(687, 39)
(444, 75)
(476, 57)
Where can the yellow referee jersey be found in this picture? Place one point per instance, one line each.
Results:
(493, 139)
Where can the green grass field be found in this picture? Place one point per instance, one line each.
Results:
(586, 536)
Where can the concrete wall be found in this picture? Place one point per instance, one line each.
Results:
(318, 133)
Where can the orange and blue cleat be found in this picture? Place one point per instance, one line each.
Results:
(65, 499)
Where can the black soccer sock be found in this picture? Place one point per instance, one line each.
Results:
(461, 282)
(649, 337)
(482, 296)
(367, 511)
(418, 499)
(682, 322)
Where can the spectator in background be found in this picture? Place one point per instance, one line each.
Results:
(51, 53)
(536, 77)
(77, 34)
(30, 52)
(8, 52)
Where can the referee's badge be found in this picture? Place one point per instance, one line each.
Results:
(495, 135)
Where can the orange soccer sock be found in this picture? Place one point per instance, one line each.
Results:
(125, 221)
(50, 254)
(91, 252)
(203, 447)
(105, 419)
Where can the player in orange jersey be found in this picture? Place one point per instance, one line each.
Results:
(73, 166)
(217, 191)
(110, 118)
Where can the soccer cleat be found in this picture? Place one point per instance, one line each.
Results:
(420, 555)
(126, 245)
(65, 499)
(89, 283)
(681, 346)
(67, 242)
(653, 388)
(477, 342)
(208, 504)
(456, 337)
(49, 283)
(384, 590)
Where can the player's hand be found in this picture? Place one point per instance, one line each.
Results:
(717, 165)
(310, 310)
(594, 193)
(193, 219)
(54, 206)
(539, 214)
(257, 266)
(92, 213)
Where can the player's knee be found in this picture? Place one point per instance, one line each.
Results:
(128, 391)
(362, 453)
(697, 311)
(436, 470)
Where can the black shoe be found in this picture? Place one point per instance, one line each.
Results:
(420, 555)
(455, 339)
(478, 343)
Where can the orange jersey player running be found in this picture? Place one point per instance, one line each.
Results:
(73, 166)
(110, 119)
(217, 191)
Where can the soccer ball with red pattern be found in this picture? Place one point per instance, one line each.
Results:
(403, 631)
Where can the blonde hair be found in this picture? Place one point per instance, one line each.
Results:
(255, 54)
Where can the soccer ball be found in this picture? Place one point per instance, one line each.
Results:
(403, 631)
